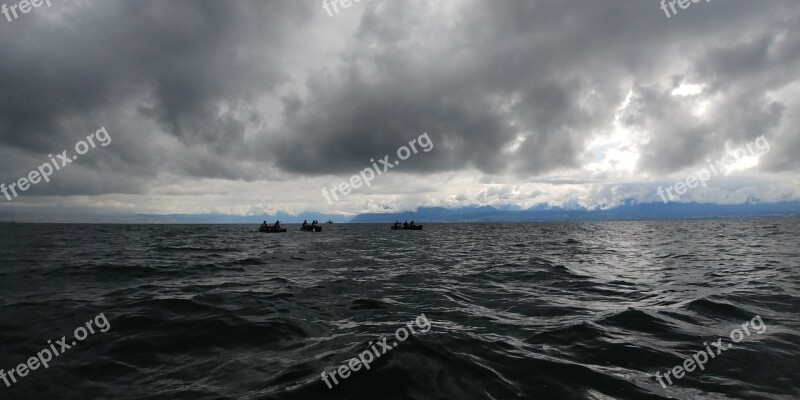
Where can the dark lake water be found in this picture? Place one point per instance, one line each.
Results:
(516, 311)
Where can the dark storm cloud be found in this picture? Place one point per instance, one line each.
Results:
(551, 72)
(174, 63)
(742, 74)
(208, 89)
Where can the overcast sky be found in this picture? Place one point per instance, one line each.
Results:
(245, 107)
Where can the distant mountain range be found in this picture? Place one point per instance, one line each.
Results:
(626, 211)
(230, 219)
(629, 210)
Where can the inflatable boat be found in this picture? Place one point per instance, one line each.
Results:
(271, 229)
(407, 228)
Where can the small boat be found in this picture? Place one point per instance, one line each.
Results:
(271, 229)
(407, 228)
(329, 222)
(311, 228)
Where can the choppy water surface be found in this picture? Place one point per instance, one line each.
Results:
(530, 311)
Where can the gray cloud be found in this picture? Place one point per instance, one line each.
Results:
(269, 91)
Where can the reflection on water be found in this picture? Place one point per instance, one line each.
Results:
(551, 310)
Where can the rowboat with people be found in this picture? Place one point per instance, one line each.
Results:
(406, 226)
(276, 228)
(314, 226)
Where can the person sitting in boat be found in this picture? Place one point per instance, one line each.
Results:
(264, 225)
(413, 224)
(405, 224)
(396, 224)
(305, 223)
(277, 224)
